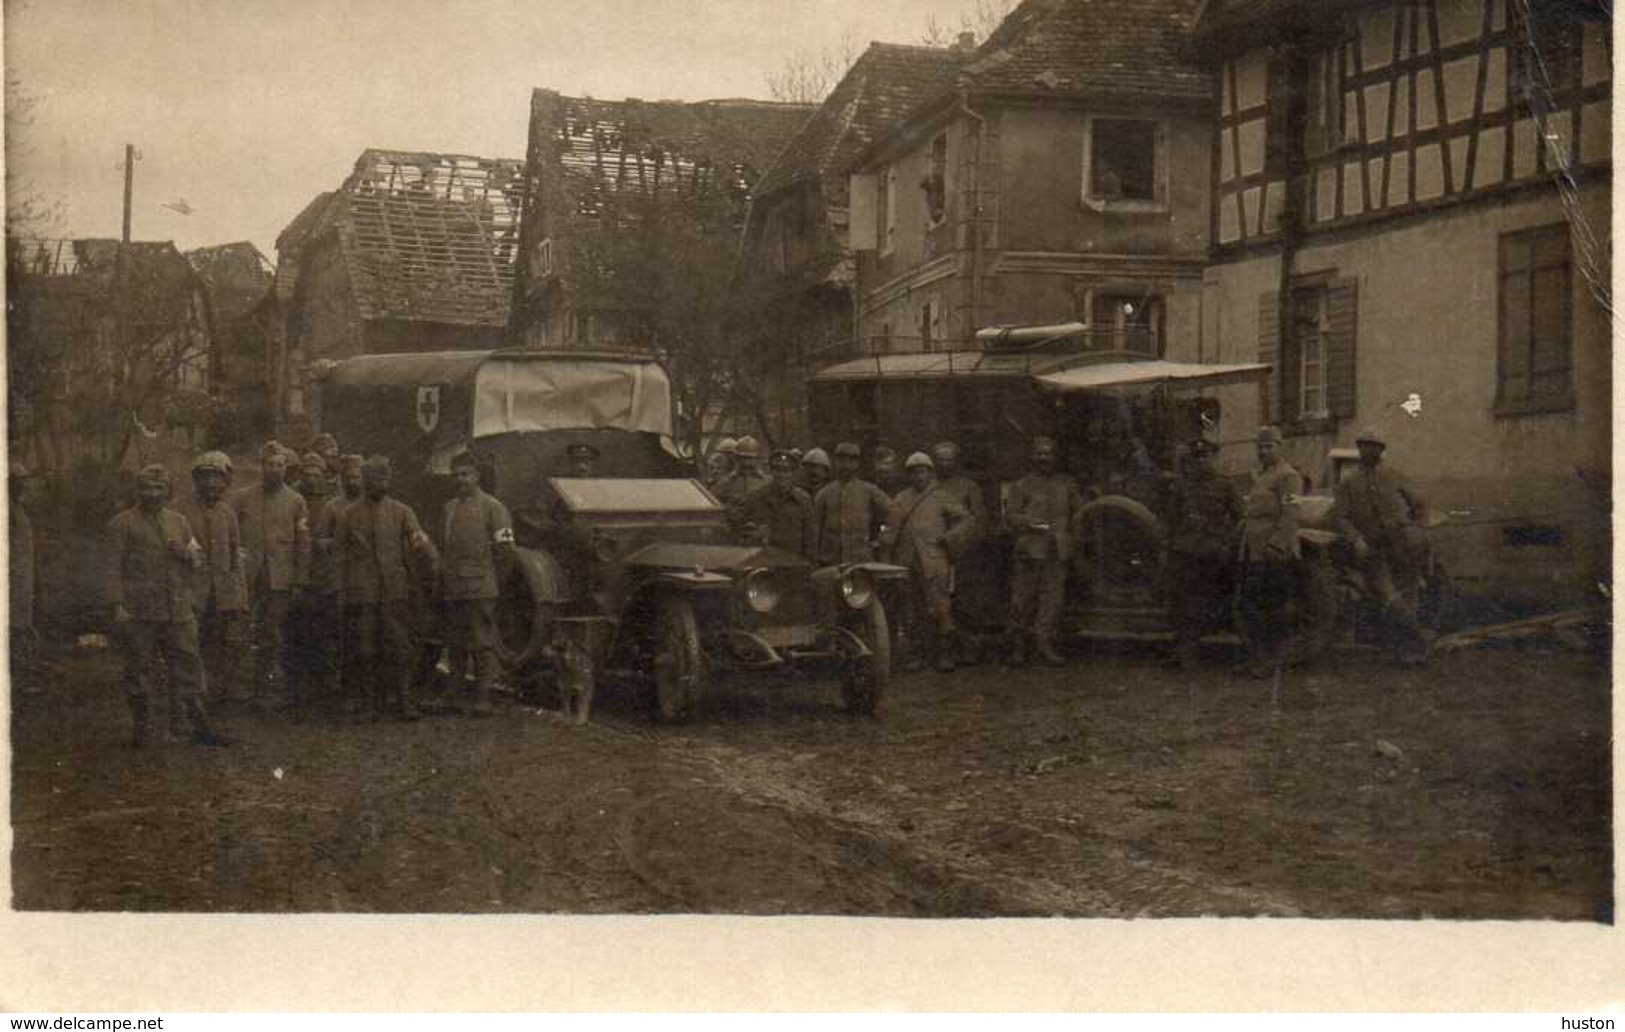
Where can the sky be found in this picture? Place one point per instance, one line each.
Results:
(247, 109)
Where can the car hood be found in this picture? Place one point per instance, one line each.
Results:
(682, 555)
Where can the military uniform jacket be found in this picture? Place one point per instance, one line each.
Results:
(150, 573)
(374, 541)
(326, 559)
(474, 527)
(275, 528)
(221, 580)
(1271, 528)
(1051, 500)
(968, 493)
(740, 486)
(1371, 504)
(1203, 515)
(845, 518)
(926, 525)
(783, 517)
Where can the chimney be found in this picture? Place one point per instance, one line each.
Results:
(967, 42)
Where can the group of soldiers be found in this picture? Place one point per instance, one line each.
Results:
(316, 572)
(1224, 544)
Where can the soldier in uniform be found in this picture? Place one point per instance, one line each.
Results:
(1042, 510)
(1378, 513)
(887, 476)
(926, 526)
(968, 493)
(153, 558)
(1269, 554)
(780, 514)
(326, 564)
(1204, 512)
(378, 537)
(848, 513)
(327, 446)
(815, 471)
(719, 465)
(477, 538)
(221, 598)
(275, 525)
(312, 648)
(747, 479)
(581, 461)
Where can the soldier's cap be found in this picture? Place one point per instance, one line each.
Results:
(728, 446)
(313, 463)
(747, 448)
(323, 440)
(375, 464)
(581, 450)
(1269, 433)
(816, 457)
(1371, 435)
(848, 449)
(272, 449)
(218, 461)
(795, 453)
(153, 473)
(919, 458)
(464, 460)
(782, 458)
(350, 462)
(944, 449)
(884, 453)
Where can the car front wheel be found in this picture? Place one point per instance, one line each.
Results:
(679, 661)
(864, 678)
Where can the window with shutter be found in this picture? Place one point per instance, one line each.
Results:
(1269, 352)
(1341, 334)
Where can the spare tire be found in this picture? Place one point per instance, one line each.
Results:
(529, 592)
(1120, 553)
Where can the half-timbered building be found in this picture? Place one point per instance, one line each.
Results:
(1410, 221)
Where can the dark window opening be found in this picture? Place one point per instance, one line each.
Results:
(1532, 535)
(1123, 159)
(935, 183)
(1536, 295)
(1126, 322)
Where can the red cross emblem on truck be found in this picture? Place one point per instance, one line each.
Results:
(428, 408)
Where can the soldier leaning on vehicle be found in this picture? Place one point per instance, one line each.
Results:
(1378, 513)
(221, 597)
(1269, 555)
(378, 537)
(1042, 510)
(153, 556)
(477, 540)
(1204, 510)
(848, 513)
(275, 525)
(926, 526)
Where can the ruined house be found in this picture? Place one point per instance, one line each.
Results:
(237, 280)
(593, 165)
(414, 252)
(1410, 215)
(798, 229)
(109, 346)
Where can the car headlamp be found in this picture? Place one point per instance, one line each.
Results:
(761, 593)
(857, 588)
(605, 548)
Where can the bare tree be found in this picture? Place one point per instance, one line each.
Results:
(979, 19)
(30, 211)
(806, 77)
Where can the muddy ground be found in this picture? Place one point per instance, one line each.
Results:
(1479, 788)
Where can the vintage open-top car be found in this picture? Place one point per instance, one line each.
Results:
(634, 569)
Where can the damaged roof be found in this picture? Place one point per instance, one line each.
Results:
(883, 87)
(291, 241)
(1093, 48)
(651, 147)
(154, 288)
(236, 275)
(424, 237)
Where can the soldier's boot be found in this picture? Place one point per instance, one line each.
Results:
(138, 720)
(485, 671)
(1018, 649)
(203, 733)
(1048, 655)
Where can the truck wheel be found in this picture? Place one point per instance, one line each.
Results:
(864, 680)
(679, 662)
(528, 595)
(1120, 558)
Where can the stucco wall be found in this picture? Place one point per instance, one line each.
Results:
(1428, 324)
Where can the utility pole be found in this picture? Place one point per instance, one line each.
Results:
(129, 183)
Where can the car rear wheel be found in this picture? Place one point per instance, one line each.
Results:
(864, 678)
(679, 661)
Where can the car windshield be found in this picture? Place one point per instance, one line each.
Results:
(518, 395)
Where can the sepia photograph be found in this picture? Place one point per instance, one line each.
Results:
(1126, 460)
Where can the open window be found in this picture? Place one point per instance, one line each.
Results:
(935, 183)
(1124, 163)
(1120, 321)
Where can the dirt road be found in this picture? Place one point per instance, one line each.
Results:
(1477, 788)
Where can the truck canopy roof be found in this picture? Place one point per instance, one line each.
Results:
(530, 390)
(1061, 372)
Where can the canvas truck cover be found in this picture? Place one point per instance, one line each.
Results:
(519, 393)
